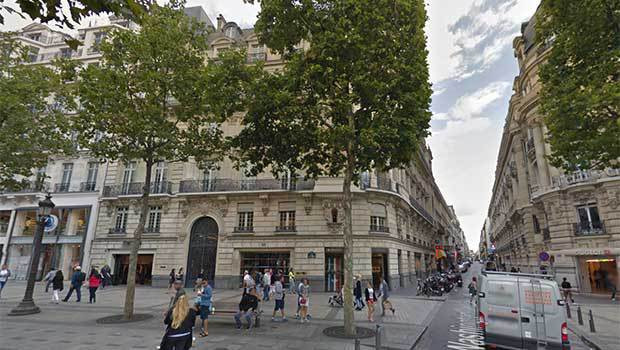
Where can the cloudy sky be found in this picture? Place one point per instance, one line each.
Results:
(472, 68)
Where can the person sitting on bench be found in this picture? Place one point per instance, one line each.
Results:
(247, 307)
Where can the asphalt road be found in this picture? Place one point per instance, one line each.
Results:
(454, 324)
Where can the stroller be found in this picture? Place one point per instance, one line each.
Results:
(336, 300)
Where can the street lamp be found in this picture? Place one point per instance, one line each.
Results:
(27, 306)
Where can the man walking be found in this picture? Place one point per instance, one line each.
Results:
(49, 278)
(5, 273)
(266, 284)
(384, 291)
(567, 290)
(205, 294)
(278, 295)
(77, 279)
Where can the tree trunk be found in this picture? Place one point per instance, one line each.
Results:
(349, 316)
(135, 244)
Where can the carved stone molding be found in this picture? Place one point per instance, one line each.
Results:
(613, 198)
(582, 196)
(264, 199)
(220, 205)
(328, 206)
(307, 203)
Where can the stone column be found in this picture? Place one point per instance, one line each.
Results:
(543, 169)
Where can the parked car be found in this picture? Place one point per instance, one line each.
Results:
(521, 311)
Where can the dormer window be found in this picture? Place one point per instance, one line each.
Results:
(35, 36)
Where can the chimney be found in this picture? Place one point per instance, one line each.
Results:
(221, 21)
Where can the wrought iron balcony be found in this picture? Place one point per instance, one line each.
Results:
(243, 229)
(384, 183)
(289, 228)
(153, 229)
(230, 185)
(62, 187)
(117, 231)
(133, 188)
(425, 214)
(375, 228)
(88, 187)
(588, 228)
(257, 56)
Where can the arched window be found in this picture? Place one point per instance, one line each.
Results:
(334, 215)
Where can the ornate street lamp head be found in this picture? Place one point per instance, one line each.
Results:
(46, 205)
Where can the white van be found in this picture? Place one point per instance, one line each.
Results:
(521, 311)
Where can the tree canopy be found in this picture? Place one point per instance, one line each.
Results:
(33, 126)
(67, 13)
(353, 95)
(580, 99)
(152, 97)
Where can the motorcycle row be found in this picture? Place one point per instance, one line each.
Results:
(439, 283)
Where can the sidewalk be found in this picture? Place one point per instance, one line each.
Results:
(72, 326)
(606, 315)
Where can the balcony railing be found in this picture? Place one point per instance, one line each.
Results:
(230, 185)
(375, 228)
(257, 56)
(31, 187)
(588, 228)
(151, 229)
(62, 187)
(88, 186)
(530, 145)
(133, 188)
(425, 214)
(289, 228)
(117, 231)
(243, 229)
(384, 183)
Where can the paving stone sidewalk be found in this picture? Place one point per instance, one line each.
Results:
(72, 326)
(606, 316)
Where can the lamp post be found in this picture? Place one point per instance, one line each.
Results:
(27, 306)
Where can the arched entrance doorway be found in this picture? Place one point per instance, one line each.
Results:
(202, 250)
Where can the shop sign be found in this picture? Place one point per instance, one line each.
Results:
(593, 252)
(51, 222)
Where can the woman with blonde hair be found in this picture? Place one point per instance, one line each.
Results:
(371, 299)
(180, 322)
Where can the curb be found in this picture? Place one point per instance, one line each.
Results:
(591, 340)
(415, 343)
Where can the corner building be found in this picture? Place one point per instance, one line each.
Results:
(573, 217)
(224, 222)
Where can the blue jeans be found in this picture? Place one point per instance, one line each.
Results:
(248, 317)
(78, 292)
(266, 293)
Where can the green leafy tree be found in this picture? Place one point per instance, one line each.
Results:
(150, 99)
(354, 98)
(580, 98)
(33, 126)
(67, 13)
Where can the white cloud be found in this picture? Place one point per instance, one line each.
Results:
(468, 36)
(471, 105)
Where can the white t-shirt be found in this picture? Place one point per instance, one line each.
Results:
(248, 281)
(4, 275)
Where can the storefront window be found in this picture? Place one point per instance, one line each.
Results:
(26, 223)
(78, 221)
(259, 262)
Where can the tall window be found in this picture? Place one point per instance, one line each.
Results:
(536, 224)
(589, 220)
(91, 178)
(209, 176)
(67, 171)
(287, 181)
(248, 182)
(246, 221)
(287, 220)
(159, 178)
(130, 169)
(378, 216)
(120, 225)
(154, 219)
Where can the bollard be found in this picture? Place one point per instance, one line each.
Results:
(358, 344)
(579, 316)
(568, 311)
(378, 338)
(592, 329)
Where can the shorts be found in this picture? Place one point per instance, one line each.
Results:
(279, 305)
(205, 311)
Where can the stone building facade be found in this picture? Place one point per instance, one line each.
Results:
(222, 222)
(573, 218)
